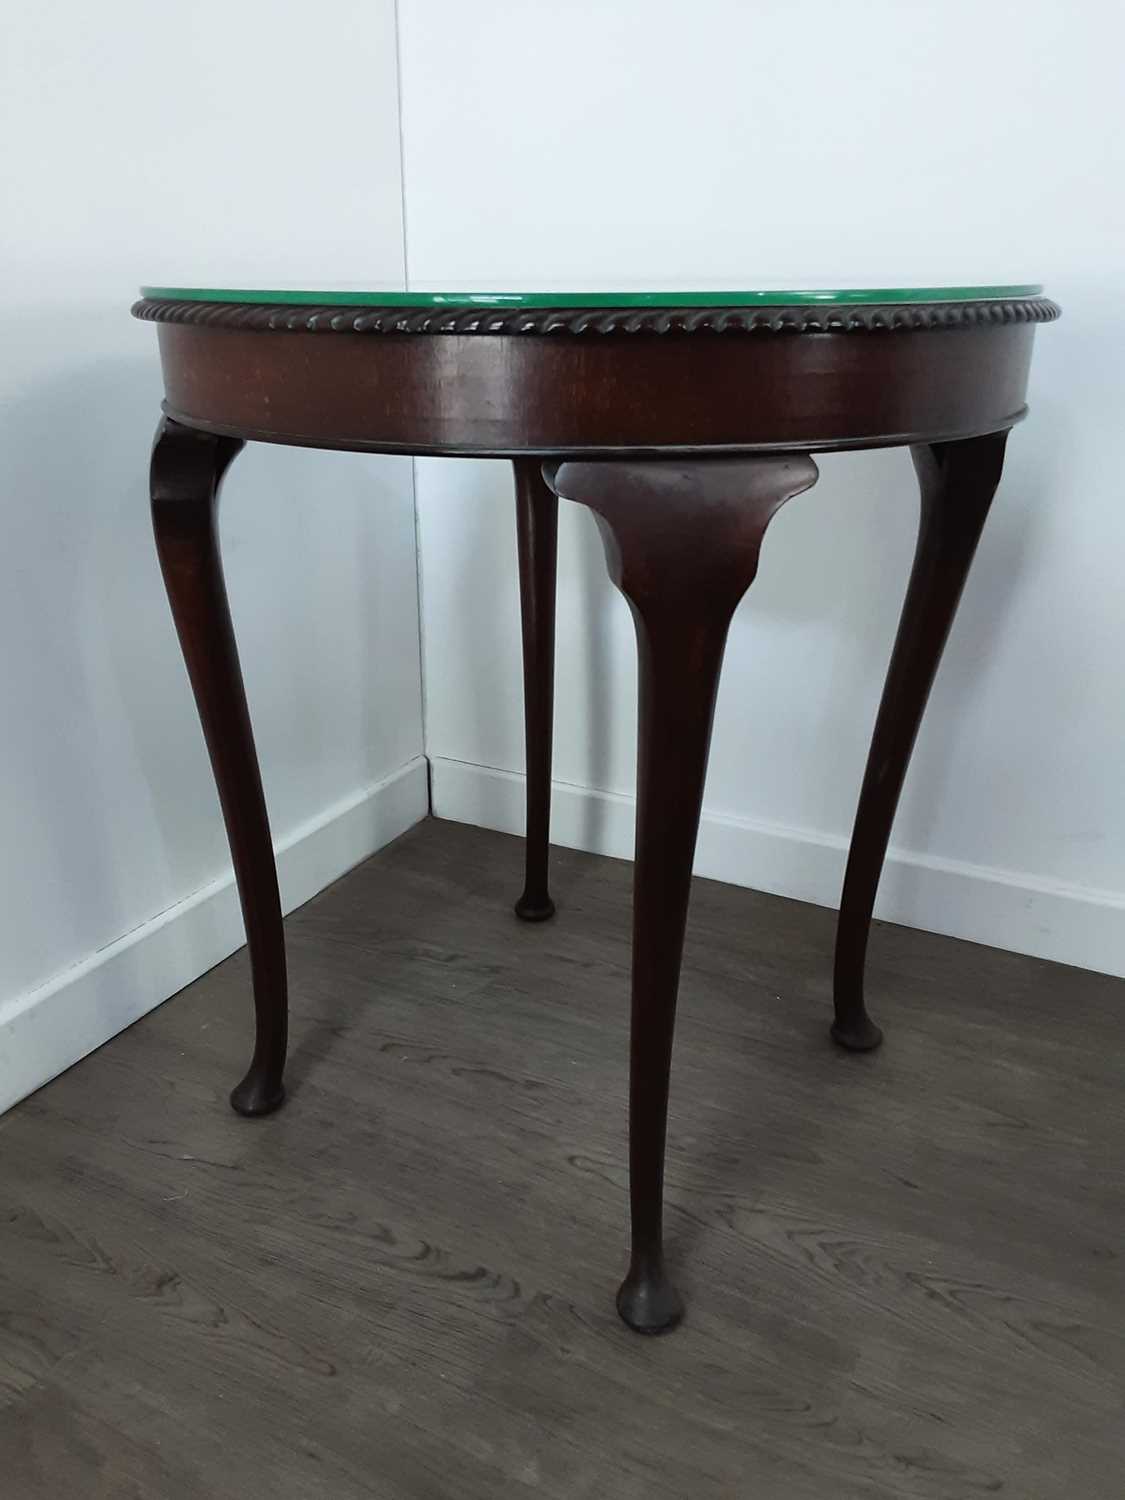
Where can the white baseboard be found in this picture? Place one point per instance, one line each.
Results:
(1001, 908)
(47, 1029)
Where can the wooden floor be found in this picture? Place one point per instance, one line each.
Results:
(904, 1272)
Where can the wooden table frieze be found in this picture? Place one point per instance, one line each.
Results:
(683, 422)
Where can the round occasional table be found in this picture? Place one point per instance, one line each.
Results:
(683, 421)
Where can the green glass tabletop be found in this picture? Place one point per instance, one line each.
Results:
(793, 298)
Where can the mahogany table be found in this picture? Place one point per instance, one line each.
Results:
(684, 421)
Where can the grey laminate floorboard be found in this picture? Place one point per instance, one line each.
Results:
(904, 1272)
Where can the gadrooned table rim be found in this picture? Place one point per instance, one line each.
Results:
(257, 317)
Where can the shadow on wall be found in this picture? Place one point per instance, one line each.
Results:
(109, 817)
(486, 530)
(1009, 548)
(809, 647)
(799, 692)
(835, 569)
(819, 609)
(91, 682)
(597, 600)
(105, 787)
(475, 673)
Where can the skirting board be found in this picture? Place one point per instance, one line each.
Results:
(1001, 908)
(48, 1029)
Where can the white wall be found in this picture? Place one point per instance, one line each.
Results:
(726, 143)
(211, 143)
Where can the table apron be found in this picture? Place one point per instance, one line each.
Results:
(597, 394)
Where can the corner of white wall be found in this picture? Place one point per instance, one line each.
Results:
(1068, 924)
(47, 1030)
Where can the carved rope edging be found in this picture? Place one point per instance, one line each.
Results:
(838, 318)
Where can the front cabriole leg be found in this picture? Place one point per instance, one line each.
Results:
(682, 538)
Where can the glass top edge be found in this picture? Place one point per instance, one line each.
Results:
(794, 298)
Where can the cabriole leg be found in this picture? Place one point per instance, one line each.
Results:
(958, 481)
(187, 469)
(681, 540)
